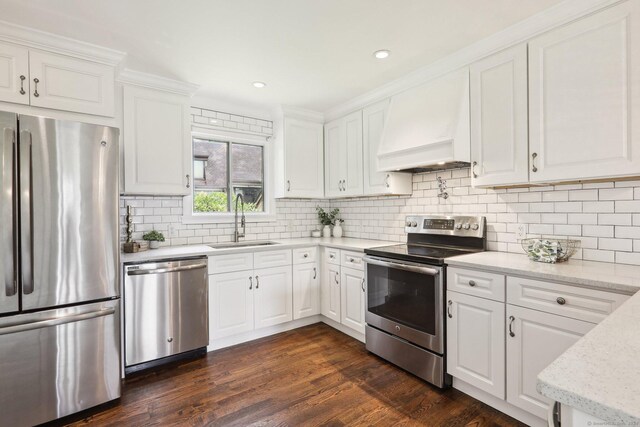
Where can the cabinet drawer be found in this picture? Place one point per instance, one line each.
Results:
(477, 283)
(230, 262)
(571, 301)
(332, 256)
(272, 258)
(352, 260)
(304, 255)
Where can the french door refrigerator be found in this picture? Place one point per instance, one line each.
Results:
(59, 294)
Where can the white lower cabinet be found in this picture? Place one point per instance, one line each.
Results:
(246, 300)
(306, 290)
(230, 304)
(535, 339)
(352, 298)
(475, 342)
(330, 292)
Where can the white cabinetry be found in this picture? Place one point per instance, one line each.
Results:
(535, 340)
(14, 74)
(301, 152)
(273, 297)
(475, 342)
(48, 80)
(343, 156)
(157, 142)
(352, 298)
(330, 292)
(230, 304)
(377, 183)
(306, 290)
(499, 128)
(584, 97)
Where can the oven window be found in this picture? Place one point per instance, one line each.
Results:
(402, 296)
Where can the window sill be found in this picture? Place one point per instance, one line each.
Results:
(227, 218)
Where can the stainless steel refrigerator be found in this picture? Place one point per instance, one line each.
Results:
(59, 294)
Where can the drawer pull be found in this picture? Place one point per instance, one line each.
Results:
(250, 282)
(472, 283)
(22, 79)
(306, 255)
(352, 260)
(511, 320)
(449, 309)
(315, 273)
(363, 284)
(35, 93)
(332, 256)
(169, 339)
(257, 282)
(336, 278)
(561, 301)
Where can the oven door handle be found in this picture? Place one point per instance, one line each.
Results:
(399, 266)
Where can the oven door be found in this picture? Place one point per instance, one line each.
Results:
(406, 299)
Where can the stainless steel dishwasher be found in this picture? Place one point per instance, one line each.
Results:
(166, 315)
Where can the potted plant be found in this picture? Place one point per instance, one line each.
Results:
(154, 238)
(327, 219)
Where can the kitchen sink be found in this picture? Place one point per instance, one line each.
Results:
(241, 244)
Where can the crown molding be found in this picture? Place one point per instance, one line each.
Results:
(302, 114)
(36, 39)
(151, 81)
(560, 14)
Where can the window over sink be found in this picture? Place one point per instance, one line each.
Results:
(224, 167)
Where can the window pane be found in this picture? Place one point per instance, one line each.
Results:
(247, 175)
(210, 176)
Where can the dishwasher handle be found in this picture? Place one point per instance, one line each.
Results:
(167, 269)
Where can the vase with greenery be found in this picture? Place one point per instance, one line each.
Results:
(154, 238)
(327, 219)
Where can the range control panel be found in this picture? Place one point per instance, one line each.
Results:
(470, 226)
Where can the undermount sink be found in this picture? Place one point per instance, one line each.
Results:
(241, 245)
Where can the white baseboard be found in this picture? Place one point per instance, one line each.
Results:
(499, 404)
(342, 328)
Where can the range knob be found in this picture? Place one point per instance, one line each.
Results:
(408, 224)
(458, 226)
(414, 224)
(466, 226)
(474, 226)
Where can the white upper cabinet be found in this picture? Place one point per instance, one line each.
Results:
(157, 142)
(71, 84)
(584, 98)
(343, 156)
(14, 74)
(499, 133)
(49, 80)
(302, 147)
(375, 182)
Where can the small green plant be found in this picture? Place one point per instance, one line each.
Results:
(153, 236)
(328, 218)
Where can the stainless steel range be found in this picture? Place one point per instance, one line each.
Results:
(406, 292)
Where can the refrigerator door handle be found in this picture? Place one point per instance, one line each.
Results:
(26, 220)
(39, 324)
(9, 206)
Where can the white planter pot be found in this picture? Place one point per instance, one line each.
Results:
(154, 244)
(337, 230)
(326, 231)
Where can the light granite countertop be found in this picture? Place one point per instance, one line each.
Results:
(346, 243)
(598, 275)
(600, 374)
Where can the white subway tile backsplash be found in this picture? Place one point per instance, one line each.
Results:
(614, 219)
(616, 194)
(615, 244)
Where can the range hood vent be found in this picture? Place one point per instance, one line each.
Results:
(427, 127)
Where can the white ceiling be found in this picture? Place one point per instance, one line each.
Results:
(312, 54)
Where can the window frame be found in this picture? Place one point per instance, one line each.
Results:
(269, 214)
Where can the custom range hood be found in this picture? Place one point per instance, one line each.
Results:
(427, 126)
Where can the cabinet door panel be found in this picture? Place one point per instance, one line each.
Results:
(71, 84)
(230, 303)
(304, 161)
(499, 133)
(334, 152)
(475, 342)
(273, 296)
(330, 292)
(306, 290)
(584, 87)
(352, 161)
(539, 338)
(352, 299)
(157, 142)
(14, 64)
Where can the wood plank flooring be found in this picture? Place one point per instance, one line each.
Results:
(309, 376)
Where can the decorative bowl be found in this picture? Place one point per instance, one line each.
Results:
(550, 250)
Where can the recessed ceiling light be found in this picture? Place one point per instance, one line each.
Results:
(382, 54)
(259, 84)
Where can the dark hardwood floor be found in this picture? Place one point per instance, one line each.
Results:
(309, 376)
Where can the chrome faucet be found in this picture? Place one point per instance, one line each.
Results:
(236, 234)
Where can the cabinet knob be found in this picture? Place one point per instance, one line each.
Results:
(472, 283)
(561, 301)
(352, 260)
(306, 255)
(398, 328)
(170, 339)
